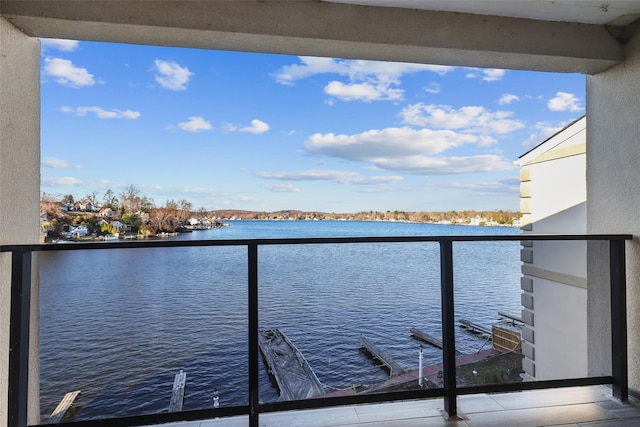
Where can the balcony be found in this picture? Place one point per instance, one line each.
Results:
(569, 400)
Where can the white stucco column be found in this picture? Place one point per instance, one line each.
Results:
(19, 185)
(613, 185)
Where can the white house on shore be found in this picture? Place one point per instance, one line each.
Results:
(553, 195)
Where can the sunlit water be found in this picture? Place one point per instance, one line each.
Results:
(119, 324)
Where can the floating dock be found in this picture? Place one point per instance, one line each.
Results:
(177, 396)
(393, 366)
(423, 336)
(474, 328)
(514, 320)
(295, 378)
(429, 339)
(58, 414)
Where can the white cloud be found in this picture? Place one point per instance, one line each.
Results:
(366, 92)
(491, 75)
(433, 88)
(407, 150)
(367, 80)
(507, 187)
(426, 165)
(508, 98)
(564, 101)
(309, 175)
(66, 73)
(282, 188)
(390, 142)
(195, 124)
(355, 69)
(543, 131)
(488, 74)
(60, 44)
(257, 127)
(475, 119)
(101, 113)
(339, 176)
(55, 163)
(61, 181)
(171, 75)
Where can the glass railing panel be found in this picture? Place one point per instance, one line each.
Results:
(487, 300)
(335, 301)
(118, 325)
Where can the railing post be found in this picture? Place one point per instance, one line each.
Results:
(619, 368)
(19, 338)
(254, 384)
(448, 328)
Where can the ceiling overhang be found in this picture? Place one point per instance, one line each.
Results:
(309, 27)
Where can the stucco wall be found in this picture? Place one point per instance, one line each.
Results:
(613, 179)
(19, 181)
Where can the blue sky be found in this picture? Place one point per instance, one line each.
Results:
(233, 130)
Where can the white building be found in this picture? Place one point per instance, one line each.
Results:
(553, 194)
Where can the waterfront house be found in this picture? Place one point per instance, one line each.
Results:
(598, 39)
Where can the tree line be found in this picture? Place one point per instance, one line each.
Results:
(140, 215)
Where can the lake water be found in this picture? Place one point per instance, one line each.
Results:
(119, 324)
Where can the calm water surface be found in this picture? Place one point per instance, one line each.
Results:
(119, 324)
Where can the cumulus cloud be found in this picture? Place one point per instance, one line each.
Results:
(66, 73)
(474, 119)
(55, 163)
(367, 80)
(310, 66)
(564, 101)
(491, 75)
(101, 113)
(407, 150)
(508, 98)
(257, 127)
(366, 92)
(390, 142)
(171, 76)
(487, 74)
(195, 124)
(282, 188)
(60, 44)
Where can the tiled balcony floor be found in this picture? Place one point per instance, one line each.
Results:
(570, 407)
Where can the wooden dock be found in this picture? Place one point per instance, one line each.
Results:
(474, 328)
(393, 366)
(423, 336)
(514, 320)
(428, 338)
(177, 396)
(58, 414)
(295, 378)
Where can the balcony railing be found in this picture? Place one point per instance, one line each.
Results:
(21, 309)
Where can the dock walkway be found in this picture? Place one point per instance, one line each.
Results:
(295, 378)
(177, 395)
(393, 366)
(58, 414)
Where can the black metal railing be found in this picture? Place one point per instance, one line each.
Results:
(21, 310)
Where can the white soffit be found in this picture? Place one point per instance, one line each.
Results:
(613, 12)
